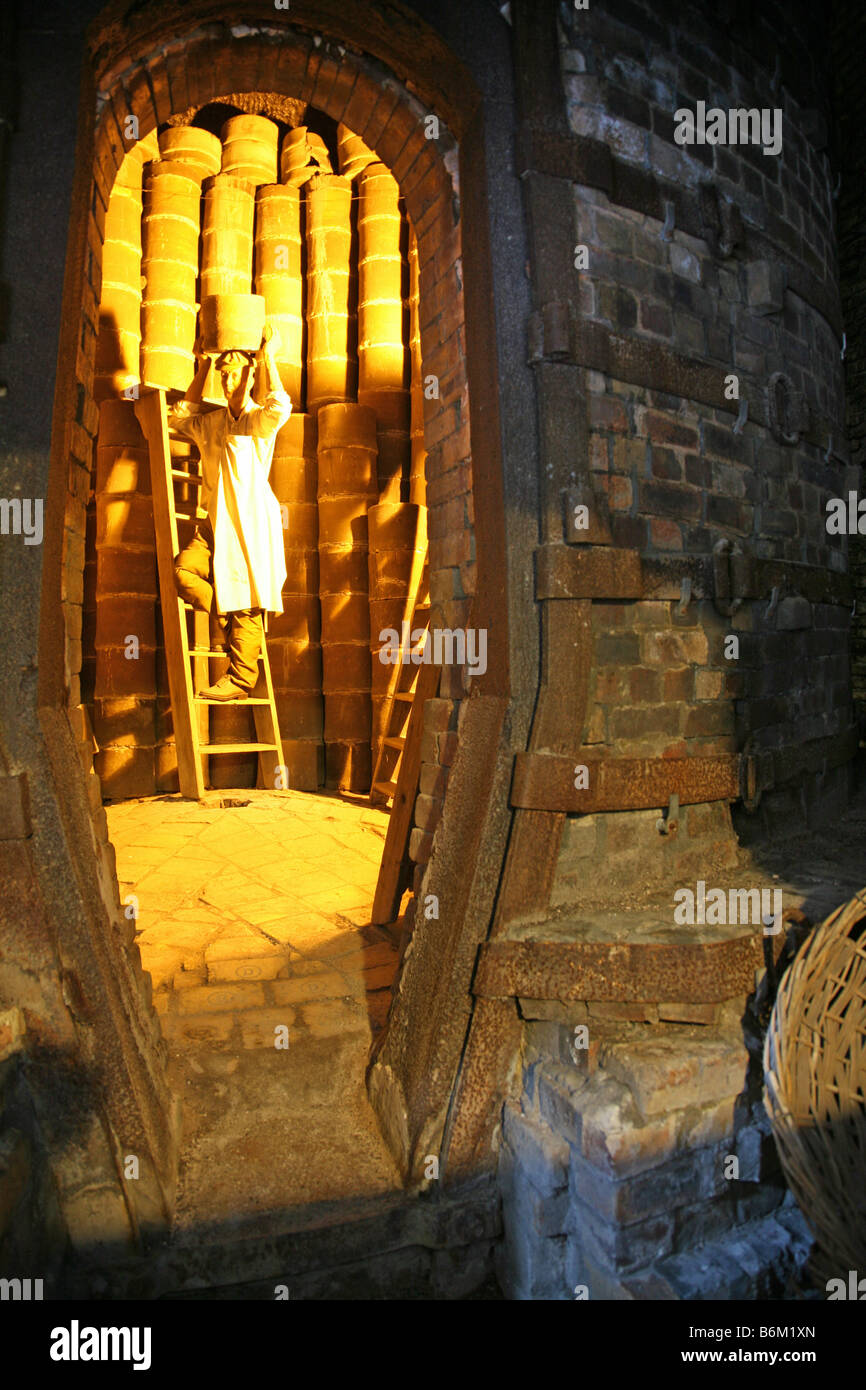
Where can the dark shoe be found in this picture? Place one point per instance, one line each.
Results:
(225, 689)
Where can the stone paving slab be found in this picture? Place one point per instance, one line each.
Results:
(255, 917)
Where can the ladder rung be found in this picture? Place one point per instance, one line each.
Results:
(249, 700)
(222, 654)
(238, 747)
(198, 515)
(394, 742)
(405, 695)
(183, 477)
(387, 788)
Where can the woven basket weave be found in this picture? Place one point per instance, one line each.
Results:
(815, 1086)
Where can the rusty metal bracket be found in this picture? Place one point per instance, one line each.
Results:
(551, 332)
(545, 782)
(705, 973)
(749, 792)
(729, 576)
(787, 409)
(550, 782)
(669, 824)
(773, 605)
(725, 600)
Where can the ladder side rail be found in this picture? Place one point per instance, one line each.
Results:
(416, 574)
(389, 887)
(267, 725)
(151, 412)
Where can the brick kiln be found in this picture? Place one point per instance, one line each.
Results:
(194, 214)
(490, 210)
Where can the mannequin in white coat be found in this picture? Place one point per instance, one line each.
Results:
(234, 568)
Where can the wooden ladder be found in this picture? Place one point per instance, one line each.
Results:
(187, 664)
(402, 687)
(396, 865)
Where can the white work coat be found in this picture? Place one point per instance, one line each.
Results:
(249, 561)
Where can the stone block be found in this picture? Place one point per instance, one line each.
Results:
(579, 838)
(541, 1216)
(204, 1029)
(219, 999)
(125, 772)
(328, 985)
(189, 976)
(621, 1248)
(528, 1265)
(329, 1018)
(685, 263)
(750, 1263)
(258, 1028)
(712, 1124)
(763, 1199)
(793, 613)
(457, 1273)
(559, 1102)
(269, 967)
(305, 761)
(700, 1222)
(748, 1152)
(612, 1009)
(669, 1074)
(629, 1288)
(765, 286)
(124, 722)
(613, 1135)
(540, 1155)
(644, 1195)
(161, 963)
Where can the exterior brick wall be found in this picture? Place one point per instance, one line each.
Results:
(613, 1160)
(675, 477)
(849, 157)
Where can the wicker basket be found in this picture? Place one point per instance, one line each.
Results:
(815, 1086)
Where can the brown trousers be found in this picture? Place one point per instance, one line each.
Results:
(193, 573)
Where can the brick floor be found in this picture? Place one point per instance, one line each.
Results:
(253, 918)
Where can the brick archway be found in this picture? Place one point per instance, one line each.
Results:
(149, 69)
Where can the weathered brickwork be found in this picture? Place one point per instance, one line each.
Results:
(615, 1162)
(678, 477)
(849, 156)
(627, 67)
(640, 1166)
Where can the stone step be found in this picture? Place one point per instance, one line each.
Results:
(264, 967)
(390, 1246)
(305, 1017)
(758, 1260)
(393, 1246)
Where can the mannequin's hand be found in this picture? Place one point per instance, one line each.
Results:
(270, 339)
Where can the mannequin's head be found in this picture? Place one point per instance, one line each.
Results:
(237, 373)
